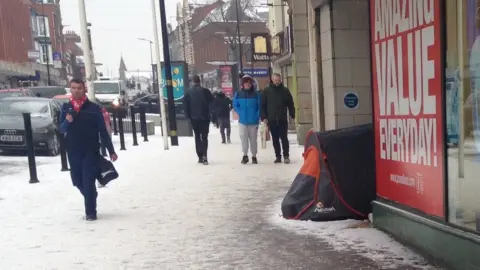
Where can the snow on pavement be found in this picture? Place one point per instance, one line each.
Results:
(168, 212)
(351, 236)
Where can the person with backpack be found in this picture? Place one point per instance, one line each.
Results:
(246, 103)
(221, 107)
(276, 100)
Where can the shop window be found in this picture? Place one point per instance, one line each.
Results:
(46, 54)
(462, 88)
(43, 26)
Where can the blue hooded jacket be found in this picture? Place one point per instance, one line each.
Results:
(246, 103)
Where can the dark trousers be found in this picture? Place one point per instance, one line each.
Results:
(201, 129)
(279, 131)
(215, 120)
(84, 172)
(225, 125)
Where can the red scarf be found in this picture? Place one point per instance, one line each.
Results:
(77, 103)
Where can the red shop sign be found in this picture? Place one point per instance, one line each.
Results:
(407, 87)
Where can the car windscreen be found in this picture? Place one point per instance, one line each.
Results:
(11, 94)
(62, 100)
(17, 107)
(48, 92)
(106, 88)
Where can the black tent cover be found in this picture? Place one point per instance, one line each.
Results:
(337, 179)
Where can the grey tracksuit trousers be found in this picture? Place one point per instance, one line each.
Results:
(248, 137)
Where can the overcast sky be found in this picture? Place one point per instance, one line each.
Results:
(116, 27)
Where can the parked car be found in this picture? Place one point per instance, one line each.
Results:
(18, 92)
(48, 91)
(149, 102)
(106, 115)
(44, 114)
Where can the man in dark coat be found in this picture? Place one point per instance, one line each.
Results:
(197, 101)
(221, 107)
(276, 100)
(82, 123)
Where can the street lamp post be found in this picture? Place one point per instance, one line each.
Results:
(159, 76)
(240, 49)
(154, 85)
(168, 76)
(86, 52)
(151, 43)
(46, 50)
(90, 49)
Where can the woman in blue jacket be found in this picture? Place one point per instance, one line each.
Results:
(246, 103)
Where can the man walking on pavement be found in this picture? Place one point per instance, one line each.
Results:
(276, 99)
(246, 104)
(197, 103)
(221, 107)
(82, 122)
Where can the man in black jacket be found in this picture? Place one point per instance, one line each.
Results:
(82, 122)
(197, 102)
(276, 99)
(221, 107)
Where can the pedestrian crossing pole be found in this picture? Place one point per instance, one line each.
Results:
(168, 76)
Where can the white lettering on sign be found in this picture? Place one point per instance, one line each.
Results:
(403, 36)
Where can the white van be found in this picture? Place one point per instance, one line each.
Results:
(111, 93)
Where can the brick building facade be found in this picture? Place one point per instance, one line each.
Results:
(15, 41)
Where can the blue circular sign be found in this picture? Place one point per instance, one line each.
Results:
(350, 100)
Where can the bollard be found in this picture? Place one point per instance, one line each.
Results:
(134, 126)
(63, 152)
(122, 135)
(143, 124)
(114, 116)
(30, 148)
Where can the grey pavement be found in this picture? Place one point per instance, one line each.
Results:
(166, 212)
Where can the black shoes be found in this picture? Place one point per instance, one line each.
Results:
(229, 141)
(286, 160)
(91, 218)
(245, 160)
(203, 160)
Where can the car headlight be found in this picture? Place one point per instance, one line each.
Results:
(116, 102)
(42, 130)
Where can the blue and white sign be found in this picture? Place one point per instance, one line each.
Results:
(350, 100)
(57, 56)
(256, 72)
(57, 59)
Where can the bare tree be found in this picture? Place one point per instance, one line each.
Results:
(228, 19)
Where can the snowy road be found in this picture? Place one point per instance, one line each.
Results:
(168, 212)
